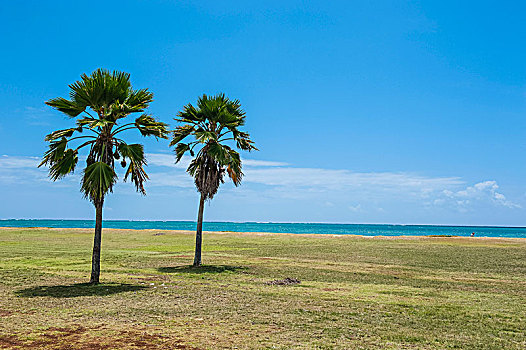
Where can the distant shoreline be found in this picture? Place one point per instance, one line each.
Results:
(277, 223)
(293, 228)
(319, 235)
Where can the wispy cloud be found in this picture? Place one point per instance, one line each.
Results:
(37, 116)
(355, 208)
(345, 179)
(17, 170)
(261, 163)
(13, 162)
(279, 174)
(277, 180)
(171, 179)
(486, 190)
(168, 160)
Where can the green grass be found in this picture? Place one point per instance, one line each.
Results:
(355, 293)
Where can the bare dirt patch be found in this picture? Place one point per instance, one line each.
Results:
(94, 338)
(284, 282)
(9, 342)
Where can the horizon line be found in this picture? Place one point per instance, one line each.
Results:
(272, 222)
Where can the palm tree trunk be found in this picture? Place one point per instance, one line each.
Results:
(199, 232)
(95, 258)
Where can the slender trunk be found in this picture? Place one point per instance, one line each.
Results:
(95, 258)
(199, 232)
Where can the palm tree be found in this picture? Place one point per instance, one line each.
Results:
(213, 123)
(109, 97)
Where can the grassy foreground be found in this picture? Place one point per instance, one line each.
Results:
(355, 293)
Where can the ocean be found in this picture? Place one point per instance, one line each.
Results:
(304, 228)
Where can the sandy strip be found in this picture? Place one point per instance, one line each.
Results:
(319, 235)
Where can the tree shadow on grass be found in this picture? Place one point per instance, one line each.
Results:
(78, 290)
(200, 269)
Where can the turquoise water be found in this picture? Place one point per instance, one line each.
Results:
(333, 229)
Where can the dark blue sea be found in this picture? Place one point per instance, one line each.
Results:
(332, 229)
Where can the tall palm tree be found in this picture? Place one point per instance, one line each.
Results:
(213, 123)
(99, 102)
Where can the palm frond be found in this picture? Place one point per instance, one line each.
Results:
(180, 133)
(139, 100)
(243, 140)
(135, 154)
(204, 136)
(246, 144)
(97, 181)
(148, 126)
(55, 152)
(137, 175)
(218, 153)
(233, 167)
(101, 89)
(208, 175)
(190, 114)
(180, 150)
(70, 108)
(64, 165)
(100, 123)
(62, 133)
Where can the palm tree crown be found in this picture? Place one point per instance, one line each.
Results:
(213, 122)
(99, 102)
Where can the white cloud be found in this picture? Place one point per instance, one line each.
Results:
(172, 179)
(168, 160)
(14, 162)
(25, 170)
(276, 181)
(253, 162)
(486, 190)
(345, 179)
(281, 181)
(37, 116)
(355, 208)
(17, 169)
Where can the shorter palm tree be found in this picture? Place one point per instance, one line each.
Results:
(111, 98)
(214, 123)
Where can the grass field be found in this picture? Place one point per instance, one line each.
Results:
(355, 293)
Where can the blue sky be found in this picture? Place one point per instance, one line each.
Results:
(364, 112)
